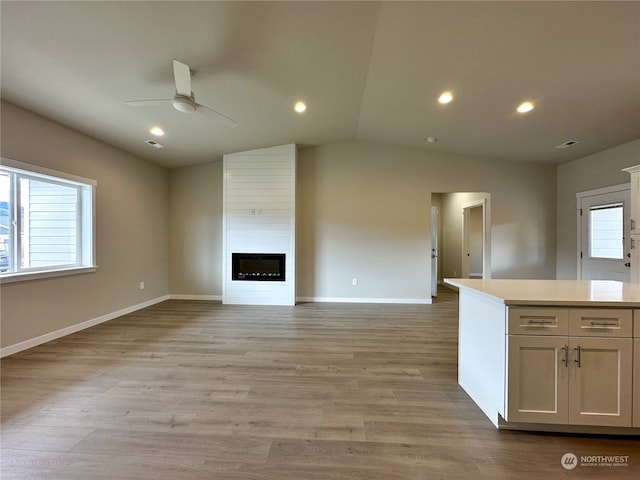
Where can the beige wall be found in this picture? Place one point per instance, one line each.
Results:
(363, 212)
(600, 170)
(195, 213)
(132, 230)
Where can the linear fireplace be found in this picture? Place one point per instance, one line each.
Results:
(262, 267)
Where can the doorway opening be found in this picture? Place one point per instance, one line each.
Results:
(475, 246)
(460, 236)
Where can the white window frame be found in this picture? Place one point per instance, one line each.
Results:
(86, 251)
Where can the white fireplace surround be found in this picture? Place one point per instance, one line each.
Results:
(259, 217)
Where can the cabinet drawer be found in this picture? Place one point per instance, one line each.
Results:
(538, 321)
(597, 322)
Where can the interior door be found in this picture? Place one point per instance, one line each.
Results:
(473, 241)
(605, 236)
(435, 226)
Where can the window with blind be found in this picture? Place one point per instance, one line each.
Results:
(606, 231)
(46, 222)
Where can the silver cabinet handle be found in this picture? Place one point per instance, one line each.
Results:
(540, 322)
(578, 359)
(604, 323)
(565, 358)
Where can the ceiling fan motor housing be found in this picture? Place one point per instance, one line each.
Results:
(184, 104)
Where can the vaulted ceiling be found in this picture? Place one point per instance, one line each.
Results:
(369, 71)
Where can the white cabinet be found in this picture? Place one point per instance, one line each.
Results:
(600, 381)
(636, 383)
(635, 199)
(537, 390)
(634, 274)
(635, 223)
(636, 368)
(577, 373)
(551, 355)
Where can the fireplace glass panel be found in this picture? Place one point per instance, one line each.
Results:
(258, 266)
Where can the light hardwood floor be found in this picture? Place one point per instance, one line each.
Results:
(198, 390)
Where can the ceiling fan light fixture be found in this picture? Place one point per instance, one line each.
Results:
(183, 104)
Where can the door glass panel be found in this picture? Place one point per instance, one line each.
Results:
(606, 232)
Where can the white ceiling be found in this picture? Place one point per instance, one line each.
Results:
(370, 71)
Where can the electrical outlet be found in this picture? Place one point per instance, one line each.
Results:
(354, 281)
(141, 285)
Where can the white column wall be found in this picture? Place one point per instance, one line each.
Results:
(259, 217)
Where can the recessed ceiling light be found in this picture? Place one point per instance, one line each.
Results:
(157, 131)
(445, 97)
(300, 107)
(431, 139)
(525, 107)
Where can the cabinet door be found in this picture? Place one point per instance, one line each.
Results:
(600, 381)
(634, 273)
(635, 203)
(636, 383)
(537, 379)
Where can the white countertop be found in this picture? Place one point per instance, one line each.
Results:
(591, 293)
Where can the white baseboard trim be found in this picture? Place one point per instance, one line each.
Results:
(412, 301)
(179, 296)
(47, 337)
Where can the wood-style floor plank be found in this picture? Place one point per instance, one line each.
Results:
(197, 390)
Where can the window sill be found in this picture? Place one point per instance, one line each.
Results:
(26, 276)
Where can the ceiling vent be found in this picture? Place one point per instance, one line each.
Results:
(153, 143)
(567, 144)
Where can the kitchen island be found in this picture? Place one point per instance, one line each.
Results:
(552, 355)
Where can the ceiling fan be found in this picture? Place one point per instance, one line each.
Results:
(184, 100)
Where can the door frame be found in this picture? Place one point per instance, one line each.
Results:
(579, 218)
(435, 233)
(486, 237)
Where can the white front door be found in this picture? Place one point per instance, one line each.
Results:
(604, 242)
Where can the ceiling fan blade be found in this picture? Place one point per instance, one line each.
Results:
(218, 116)
(147, 103)
(182, 76)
